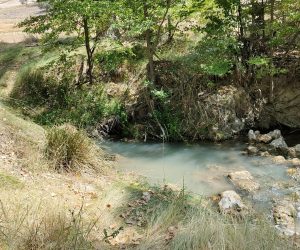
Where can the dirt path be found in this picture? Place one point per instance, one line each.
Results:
(11, 13)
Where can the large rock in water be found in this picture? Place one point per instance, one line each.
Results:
(244, 180)
(231, 202)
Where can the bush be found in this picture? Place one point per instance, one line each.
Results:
(35, 88)
(69, 149)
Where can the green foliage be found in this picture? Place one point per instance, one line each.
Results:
(34, 88)
(68, 149)
(112, 59)
(83, 107)
(259, 61)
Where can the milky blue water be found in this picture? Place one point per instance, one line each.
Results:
(202, 167)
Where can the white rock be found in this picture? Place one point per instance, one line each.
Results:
(244, 180)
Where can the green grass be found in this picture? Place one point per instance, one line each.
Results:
(9, 181)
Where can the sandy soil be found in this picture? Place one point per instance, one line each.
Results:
(11, 13)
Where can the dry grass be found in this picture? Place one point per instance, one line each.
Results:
(68, 149)
(39, 226)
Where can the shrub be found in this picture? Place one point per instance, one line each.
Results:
(69, 149)
(35, 88)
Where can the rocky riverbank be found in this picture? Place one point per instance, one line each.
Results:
(286, 207)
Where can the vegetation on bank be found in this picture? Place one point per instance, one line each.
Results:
(43, 209)
(169, 54)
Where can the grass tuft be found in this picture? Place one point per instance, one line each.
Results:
(30, 228)
(68, 149)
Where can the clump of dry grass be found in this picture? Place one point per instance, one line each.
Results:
(32, 227)
(69, 149)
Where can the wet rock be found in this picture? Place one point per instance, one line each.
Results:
(291, 152)
(284, 214)
(251, 150)
(231, 202)
(294, 173)
(265, 154)
(279, 159)
(297, 150)
(251, 135)
(264, 138)
(295, 162)
(275, 134)
(244, 180)
(279, 143)
(257, 132)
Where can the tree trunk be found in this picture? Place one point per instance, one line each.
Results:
(88, 50)
(150, 52)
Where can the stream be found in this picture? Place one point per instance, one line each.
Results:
(201, 167)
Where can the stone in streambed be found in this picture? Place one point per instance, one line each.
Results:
(279, 160)
(284, 214)
(244, 180)
(295, 162)
(251, 150)
(279, 143)
(251, 135)
(231, 203)
(264, 138)
(275, 134)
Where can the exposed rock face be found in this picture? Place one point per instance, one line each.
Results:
(244, 180)
(286, 106)
(231, 202)
(284, 214)
(230, 107)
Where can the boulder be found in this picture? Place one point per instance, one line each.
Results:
(284, 214)
(244, 180)
(275, 134)
(251, 150)
(264, 138)
(251, 135)
(231, 202)
(279, 143)
(295, 162)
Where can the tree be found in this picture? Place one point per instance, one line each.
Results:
(150, 20)
(85, 21)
